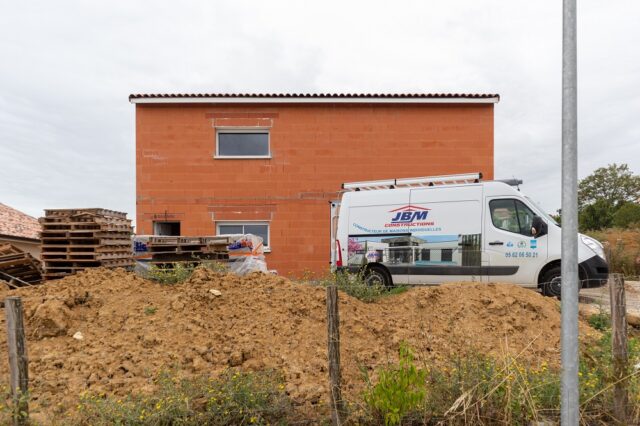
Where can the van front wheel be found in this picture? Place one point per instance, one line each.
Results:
(377, 277)
(551, 282)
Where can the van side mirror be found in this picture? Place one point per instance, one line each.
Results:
(538, 227)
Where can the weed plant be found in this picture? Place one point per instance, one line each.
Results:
(478, 389)
(180, 272)
(236, 398)
(354, 285)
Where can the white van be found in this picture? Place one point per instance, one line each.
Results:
(453, 228)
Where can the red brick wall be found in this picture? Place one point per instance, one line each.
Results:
(314, 147)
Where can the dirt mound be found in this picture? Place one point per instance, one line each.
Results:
(132, 328)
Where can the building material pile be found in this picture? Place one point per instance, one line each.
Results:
(174, 249)
(76, 239)
(18, 268)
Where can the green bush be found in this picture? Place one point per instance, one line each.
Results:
(477, 389)
(236, 398)
(596, 216)
(399, 391)
(627, 215)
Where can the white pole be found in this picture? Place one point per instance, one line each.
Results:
(570, 394)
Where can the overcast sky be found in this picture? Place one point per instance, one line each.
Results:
(66, 70)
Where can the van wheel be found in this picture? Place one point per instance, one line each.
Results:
(377, 277)
(551, 282)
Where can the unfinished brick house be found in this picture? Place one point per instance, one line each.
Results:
(270, 164)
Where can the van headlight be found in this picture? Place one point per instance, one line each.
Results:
(593, 245)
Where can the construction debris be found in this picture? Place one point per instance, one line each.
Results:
(18, 268)
(76, 239)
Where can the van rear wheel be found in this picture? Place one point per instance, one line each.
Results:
(377, 277)
(551, 282)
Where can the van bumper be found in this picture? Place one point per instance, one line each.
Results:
(596, 272)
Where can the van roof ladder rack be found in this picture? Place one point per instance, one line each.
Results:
(413, 182)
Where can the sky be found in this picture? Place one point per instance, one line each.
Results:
(67, 130)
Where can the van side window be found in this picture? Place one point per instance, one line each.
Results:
(503, 215)
(525, 218)
(511, 215)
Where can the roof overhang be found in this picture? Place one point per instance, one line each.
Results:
(315, 99)
(20, 239)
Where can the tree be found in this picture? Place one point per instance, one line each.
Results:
(614, 184)
(628, 214)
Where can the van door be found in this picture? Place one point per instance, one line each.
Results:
(446, 241)
(514, 255)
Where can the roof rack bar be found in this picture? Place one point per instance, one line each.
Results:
(413, 182)
(377, 184)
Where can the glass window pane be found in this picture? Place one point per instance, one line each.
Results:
(503, 215)
(243, 144)
(230, 229)
(447, 255)
(259, 230)
(525, 217)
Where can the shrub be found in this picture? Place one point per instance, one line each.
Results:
(235, 398)
(627, 215)
(476, 389)
(400, 389)
(596, 216)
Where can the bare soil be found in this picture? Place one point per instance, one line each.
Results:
(133, 328)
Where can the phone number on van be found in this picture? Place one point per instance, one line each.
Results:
(521, 254)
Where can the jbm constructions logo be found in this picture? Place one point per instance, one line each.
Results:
(409, 216)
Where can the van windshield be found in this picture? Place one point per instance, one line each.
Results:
(541, 211)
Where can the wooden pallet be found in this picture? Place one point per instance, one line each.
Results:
(19, 267)
(76, 239)
(93, 211)
(165, 251)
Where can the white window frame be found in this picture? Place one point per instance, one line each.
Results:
(242, 130)
(266, 249)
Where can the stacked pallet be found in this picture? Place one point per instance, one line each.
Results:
(76, 239)
(166, 249)
(18, 268)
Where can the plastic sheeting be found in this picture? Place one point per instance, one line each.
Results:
(246, 254)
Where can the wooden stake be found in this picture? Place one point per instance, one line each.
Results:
(619, 347)
(18, 363)
(333, 336)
